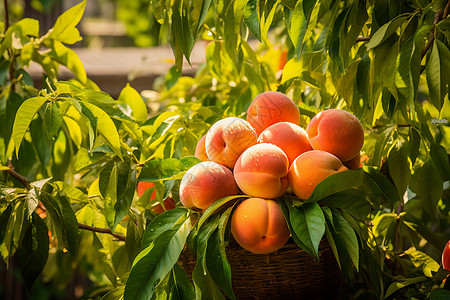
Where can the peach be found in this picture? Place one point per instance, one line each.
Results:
(142, 186)
(446, 257)
(291, 138)
(354, 163)
(336, 131)
(271, 107)
(227, 139)
(261, 171)
(258, 225)
(205, 183)
(310, 168)
(169, 203)
(200, 150)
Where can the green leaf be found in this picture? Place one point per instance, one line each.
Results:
(398, 285)
(70, 225)
(400, 168)
(205, 287)
(198, 15)
(347, 236)
(156, 261)
(64, 29)
(429, 186)
(133, 99)
(218, 206)
(385, 31)
(437, 73)
(106, 128)
(369, 182)
(216, 258)
(23, 118)
(163, 223)
(67, 57)
(423, 261)
(251, 18)
(33, 252)
(308, 223)
(182, 288)
(23, 28)
(439, 294)
(73, 193)
(183, 41)
(167, 169)
(32, 200)
(53, 119)
(440, 158)
(299, 22)
(4, 220)
(266, 13)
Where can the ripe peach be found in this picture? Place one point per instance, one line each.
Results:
(271, 107)
(310, 168)
(205, 183)
(291, 138)
(227, 139)
(261, 171)
(200, 150)
(354, 163)
(446, 257)
(169, 203)
(258, 225)
(336, 131)
(142, 186)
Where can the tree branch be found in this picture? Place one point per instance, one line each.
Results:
(118, 236)
(5, 5)
(438, 16)
(362, 39)
(25, 182)
(22, 179)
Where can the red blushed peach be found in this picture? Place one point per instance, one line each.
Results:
(227, 139)
(291, 138)
(261, 171)
(205, 183)
(354, 163)
(446, 257)
(336, 131)
(258, 225)
(169, 203)
(200, 150)
(310, 168)
(269, 108)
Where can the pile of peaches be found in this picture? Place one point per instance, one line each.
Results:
(265, 156)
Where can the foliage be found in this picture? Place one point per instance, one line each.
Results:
(71, 155)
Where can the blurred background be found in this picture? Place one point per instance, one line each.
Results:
(121, 42)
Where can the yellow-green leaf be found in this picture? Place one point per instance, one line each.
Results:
(24, 115)
(133, 99)
(106, 128)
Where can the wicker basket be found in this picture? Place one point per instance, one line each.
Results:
(289, 273)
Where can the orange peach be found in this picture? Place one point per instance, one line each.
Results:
(200, 150)
(258, 225)
(205, 183)
(446, 257)
(336, 131)
(261, 171)
(227, 139)
(271, 107)
(142, 186)
(169, 203)
(310, 168)
(354, 163)
(291, 138)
